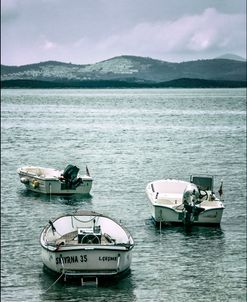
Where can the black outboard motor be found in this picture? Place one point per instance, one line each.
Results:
(76, 182)
(70, 172)
(70, 176)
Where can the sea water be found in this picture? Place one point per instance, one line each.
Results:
(126, 138)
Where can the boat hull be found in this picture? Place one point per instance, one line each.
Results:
(171, 216)
(53, 185)
(87, 261)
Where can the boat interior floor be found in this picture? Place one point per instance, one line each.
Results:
(72, 238)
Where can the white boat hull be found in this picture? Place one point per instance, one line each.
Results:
(168, 215)
(89, 261)
(52, 184)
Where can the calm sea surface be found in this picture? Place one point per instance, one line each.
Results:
(127, 138)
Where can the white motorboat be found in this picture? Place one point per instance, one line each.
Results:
(176, 201)
(86, 244)
(53, 181)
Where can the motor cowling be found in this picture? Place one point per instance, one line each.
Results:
(70, 177)
(191, 197)
(70, 172)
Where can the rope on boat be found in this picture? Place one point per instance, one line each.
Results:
(63, 272)
(85, 220)
(55, 282)
(50, 190)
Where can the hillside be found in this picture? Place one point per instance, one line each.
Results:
(131, 69)
(231, 56)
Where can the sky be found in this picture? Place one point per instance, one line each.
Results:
(90, 31)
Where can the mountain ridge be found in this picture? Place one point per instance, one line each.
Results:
(129, 69)
(231, 56)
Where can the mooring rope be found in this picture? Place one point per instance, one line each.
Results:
(63, 272)
(55, 282)
(50, 190)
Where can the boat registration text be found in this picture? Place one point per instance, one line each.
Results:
(81, 258)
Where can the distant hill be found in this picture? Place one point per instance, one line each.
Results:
(125, 69)
(230, 56)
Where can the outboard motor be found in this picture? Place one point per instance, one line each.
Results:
(190, 199)
(190, 195)
(76, 182)
(70, 172)
(70, 176)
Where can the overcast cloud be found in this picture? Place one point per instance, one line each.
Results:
(88, 31)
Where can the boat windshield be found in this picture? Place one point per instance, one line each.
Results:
(202, 182)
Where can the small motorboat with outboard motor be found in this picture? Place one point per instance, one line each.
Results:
(176, 201)
(53, 181)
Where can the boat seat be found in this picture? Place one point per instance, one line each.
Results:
(209, 203)
(165, 201)
(67, 237)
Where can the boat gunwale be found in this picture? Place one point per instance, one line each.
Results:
(174, 206)
(85, 213)
(91, 247)
(173, 209)
(51, 178)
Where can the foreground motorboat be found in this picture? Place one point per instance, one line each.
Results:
(176, 201)
(86, 244)
(53, 181)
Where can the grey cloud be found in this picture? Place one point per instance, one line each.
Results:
(86, 31)
(197, 33)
